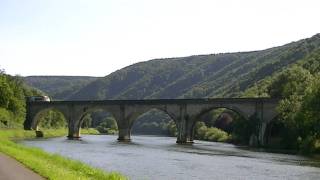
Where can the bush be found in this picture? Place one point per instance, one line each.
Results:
(244, 128)
(309, 145)
(202, 132)
(52, 119)
(172, 128)
(5, 116)
(8, 120)
(216, 135)
(108, 126)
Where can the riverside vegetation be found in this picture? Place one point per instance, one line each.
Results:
(12, 111)
(299, 111)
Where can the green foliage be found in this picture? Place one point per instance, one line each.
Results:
(299, 111)
(52, 119)
(152, 122)
(243, 129)
(5, 92)
(291, 81)
(12, 100)
(309, 145)
(200, 130)
(108, 126)
(312, 62)
(308, 118)
(6, 133)
(172, 128)
(203, 132)
(86, 121)
(91, 131)
(5, 117)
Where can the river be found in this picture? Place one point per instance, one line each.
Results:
(152, 157)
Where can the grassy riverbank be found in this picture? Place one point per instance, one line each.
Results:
(51, 166)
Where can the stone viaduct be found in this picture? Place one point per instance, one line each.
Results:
(185, 113)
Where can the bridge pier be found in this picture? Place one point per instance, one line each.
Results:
(74, 134)
(185, 136)
(262, 131)
(123, 122)
(184, 140)
(124, 135)
(184, 128)
(73, 131)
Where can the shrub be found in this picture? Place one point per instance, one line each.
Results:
(202, 132)
(6, 118)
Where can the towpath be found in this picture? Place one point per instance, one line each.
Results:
(11, 169)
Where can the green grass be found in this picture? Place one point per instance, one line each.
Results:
(51, 166)
(90, 131)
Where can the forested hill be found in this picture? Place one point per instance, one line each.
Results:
(59, 87)
(215, 75)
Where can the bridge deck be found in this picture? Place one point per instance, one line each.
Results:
(163, 101)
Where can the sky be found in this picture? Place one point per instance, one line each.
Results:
(97, 37)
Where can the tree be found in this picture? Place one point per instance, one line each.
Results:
(5, 92)
(310, 109)
(108, 125)
(52, 119)
(291, 81)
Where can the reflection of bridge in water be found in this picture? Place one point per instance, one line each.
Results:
(184, 112)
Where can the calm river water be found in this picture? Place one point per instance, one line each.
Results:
(150, 157)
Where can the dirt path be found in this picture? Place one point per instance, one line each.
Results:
(11, 169)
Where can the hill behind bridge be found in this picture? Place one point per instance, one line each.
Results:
(199, 76)
(59, 87)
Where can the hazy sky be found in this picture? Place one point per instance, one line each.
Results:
(97, 37)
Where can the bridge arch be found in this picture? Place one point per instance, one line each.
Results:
(273, 132)
(156, 113)
(90, 110)
(231, 108)
(106, 112)
(143, 111)
(208, 109)
(35, 118)
(199, 116)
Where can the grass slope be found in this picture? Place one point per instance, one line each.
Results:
(51, 166)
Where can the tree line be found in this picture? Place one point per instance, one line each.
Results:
(13, 92)
(299, 110)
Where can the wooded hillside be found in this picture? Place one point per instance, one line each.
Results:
(215, 75)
